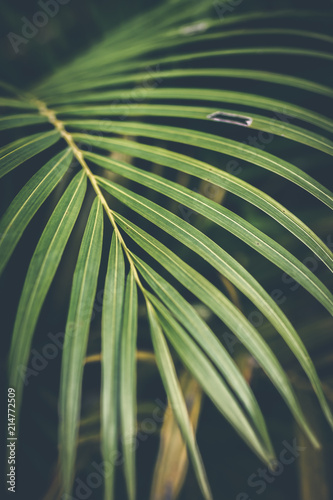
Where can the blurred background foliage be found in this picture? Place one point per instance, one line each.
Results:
(229, 463)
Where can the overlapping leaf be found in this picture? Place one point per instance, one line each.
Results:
(28, 201)
(42, 269)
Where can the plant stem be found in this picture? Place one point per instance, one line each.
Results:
(59, 125)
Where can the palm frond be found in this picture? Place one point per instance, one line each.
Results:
(128, 381)
(85, 104)
(111, 336)
(42, 269)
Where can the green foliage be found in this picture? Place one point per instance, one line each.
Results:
(72, 110)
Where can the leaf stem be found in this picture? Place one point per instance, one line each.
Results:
(144, 356)
(59, 125)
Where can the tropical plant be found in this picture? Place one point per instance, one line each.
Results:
(134, 176)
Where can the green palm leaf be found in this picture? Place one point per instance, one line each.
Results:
(8, 102)
(43, 266)
(187, 315)
(28, 201)
(76, 338)
(226, 219)
(224, 309)
(176, 398)
(256, 122)
(208, 378)
(128, 382)
(224, 180)
(214, 143)
(161, 93)
(16, 153)
(15, 121)
(74, 107)
(111, 335)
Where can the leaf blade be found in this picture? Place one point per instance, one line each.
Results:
(224, 218)
(253, 121)
(15, 121)
(175, 396)
(111, 335)
(76, 338)
(222, 179)
(28, 201)
(128, 382)
(14, 154)
(204, 372)
(225, 310)
(229, 267)
(41, 271)
(220, 145)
